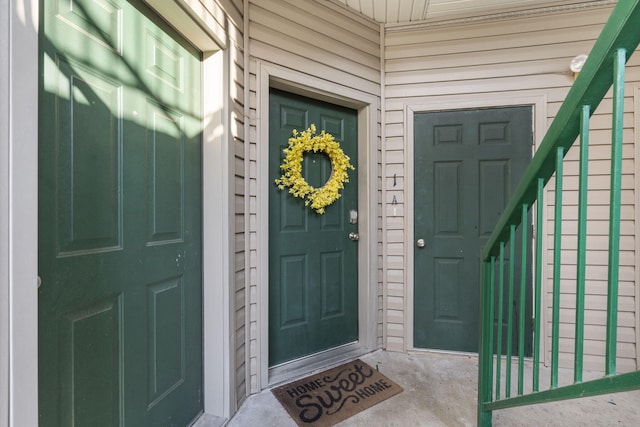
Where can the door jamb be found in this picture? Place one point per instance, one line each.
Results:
(538, 102)
(19, 213)
(367, 105)
(217, 241)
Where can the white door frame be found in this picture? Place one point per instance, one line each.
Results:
(459, 102)
(367, 105)
(19, 22)
(217, 239)
(19, 212)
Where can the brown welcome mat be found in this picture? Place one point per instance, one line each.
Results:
(331, 396)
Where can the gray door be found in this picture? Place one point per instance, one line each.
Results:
(467, 163)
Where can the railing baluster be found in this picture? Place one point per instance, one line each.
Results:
(538, 285)
(484, 372)
(523, 297)
(492, 289)
(512, 256)
(582, 242)
(557, 248)
(500, 311)
(614, 206)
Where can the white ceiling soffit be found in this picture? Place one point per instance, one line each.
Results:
(413, 11)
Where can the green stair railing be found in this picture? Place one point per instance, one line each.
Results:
(605, 67)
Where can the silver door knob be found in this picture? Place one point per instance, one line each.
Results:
(354, 236)
(420, 243)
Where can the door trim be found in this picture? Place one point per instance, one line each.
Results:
(367, 105)
(218, 229)
(19, 213)
(507, 99)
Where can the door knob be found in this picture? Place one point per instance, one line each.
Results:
(420, 243)
(354, 236)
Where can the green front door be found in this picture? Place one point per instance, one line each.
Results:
(120, 330)
(313, 284)
(467, 163)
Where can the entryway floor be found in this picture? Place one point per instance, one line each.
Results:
(440, 390)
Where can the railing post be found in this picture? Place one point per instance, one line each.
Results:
(614, 206)
(557, 247)
(491, 315)
(582, 242)
(485, 357)
(512, 256)
(523, 297)
(500, 319)
(538, 285)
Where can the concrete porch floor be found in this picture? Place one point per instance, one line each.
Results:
(440, 390)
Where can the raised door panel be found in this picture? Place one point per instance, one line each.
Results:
(88, 166)
(294, 291)
(494, 188)
(448, 274)
(92, 373)
(165, 174)
(166, 325)
(80, 27)
(332, 282)
(448, 207)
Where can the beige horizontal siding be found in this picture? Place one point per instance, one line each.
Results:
(595, 362)
(463, 32)
(521, 57)
(324, 41)
(233, 11)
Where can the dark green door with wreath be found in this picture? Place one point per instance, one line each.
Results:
(313, 264)
(120, 318)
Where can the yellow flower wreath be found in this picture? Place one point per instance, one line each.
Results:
(301, 142)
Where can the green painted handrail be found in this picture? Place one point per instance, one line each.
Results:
(604, 68)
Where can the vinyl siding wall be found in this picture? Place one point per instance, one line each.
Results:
(321, 40)
(517, 57)
(234, 9)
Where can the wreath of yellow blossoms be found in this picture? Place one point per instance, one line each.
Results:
(301, 142)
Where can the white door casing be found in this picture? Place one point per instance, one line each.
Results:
(539, 104)
(270, 75)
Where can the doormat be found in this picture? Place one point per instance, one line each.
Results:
(334, 395)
